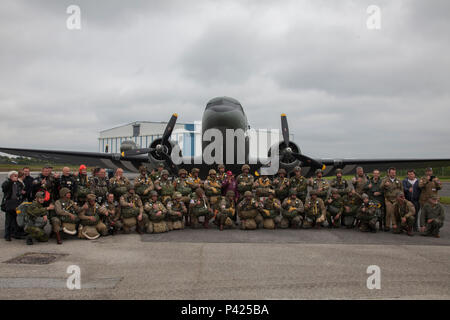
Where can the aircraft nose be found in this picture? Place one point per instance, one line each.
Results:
(222, 108)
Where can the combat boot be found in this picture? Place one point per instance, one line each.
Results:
(409, 231)
(206, 223)
(221, 227)
(29, 240)
(58, 237)
(138, 229)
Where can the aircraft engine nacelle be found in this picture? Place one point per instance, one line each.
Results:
(287, 161)
(127, 145)
(156, 155)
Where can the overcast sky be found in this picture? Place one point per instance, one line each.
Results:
(347, 91)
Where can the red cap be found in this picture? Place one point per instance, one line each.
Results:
(229, 173)
(82, 167)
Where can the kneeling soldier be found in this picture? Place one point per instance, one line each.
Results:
(248, 212)
(292, 211)
(66, 215)
(132, 211)
(199, 207)
(37, 219)
(367, 215)
(352, 202)
(270, 211)
(404, 215)
(227, 210)
(176, 209)
(156, 214)
(91, 227)
(213, 190)
(143, 184)
(112, 216)
(335, 207)
(315, 211)
(164, 187)
(432, 217)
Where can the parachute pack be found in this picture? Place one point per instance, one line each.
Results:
(22, 213)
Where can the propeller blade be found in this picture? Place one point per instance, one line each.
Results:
(285, 129)
(307, 160)
(172, 166)
(136, 152)
(169, 129)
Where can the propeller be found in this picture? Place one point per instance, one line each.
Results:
(160, 149)
(288, 154)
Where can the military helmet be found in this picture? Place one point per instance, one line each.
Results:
(248, 193)
(364, 196)
(434, 197)
(292, 191)
(349, 190)
(160, 164)
(220, 166)
(318, 171)
(212, 171)
(230, 193)
(399, 194)
(338, 171)
(297, 168)
(163, 172)
(313, 192)
(90, 196)
(153, 193)
(130, 186)
(176, 195)
(245, 166)
(181, 171)
(281, 170)
(334, 191)
(63, 192)
(40, 194)
(142, 168)
(195, 170)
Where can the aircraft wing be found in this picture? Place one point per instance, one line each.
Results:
(108, 160)
(349, 165)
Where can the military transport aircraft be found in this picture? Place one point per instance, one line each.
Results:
(220, 113)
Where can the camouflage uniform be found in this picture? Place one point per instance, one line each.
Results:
(118, 186)
(164, 187)
(320, 184)
(367, 215)
(340, 184)
(263, 185)
(281, 185)
(99, 187)
(182, 186)
(352, 202)
(359, 183)
(429, 189)
(130, 214)
(435, 212)
(270, 211)
(374, 186)
(194, 181)
(157, 215)
(221, 176)
(248, 212)
(83, 188)
(300, 184)
(291, 212)
(315, 212)
(227, 210)
(245, 181)
(35, 221)
(390, 190)
(112, 220)
(213, 190)
(335, 208)
(176, 209)
(88, 212)
(199, 207)
(404, 209)
(156, 174)
(46, 185)
(143, 185)
(63, 208)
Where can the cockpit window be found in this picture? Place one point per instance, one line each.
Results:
(224, 101)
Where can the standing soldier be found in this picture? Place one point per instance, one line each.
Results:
(404, 212)
(375, 192)
(182, 186)
(245, 180)
(270, 211)
(292, 211)
(367, 214)
(320, 185)
(91, 226)
(227, 210)
(99, 185)
(66, 215)
(299, 183)
(118, 184)
(281, 185)
(359, 181)
(221, 174)
(164, 187)
(111, 218)
(430, 185)
(67, 180)
(194, 180)
(143, 184)
(352, 202)
(199, 207)
(263, 187)
(82, 183)
(339, 183)
(46, 183)
(37, 218)
(156, 174)
(156, 215)
(213, 190)
(248, 212)
(335, 208)
(132, 211)
(390, 186)
(432, 217)
(176, 209)
(315, 211)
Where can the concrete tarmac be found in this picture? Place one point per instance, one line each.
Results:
(233, 264)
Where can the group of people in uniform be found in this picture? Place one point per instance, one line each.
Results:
(156, 202)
